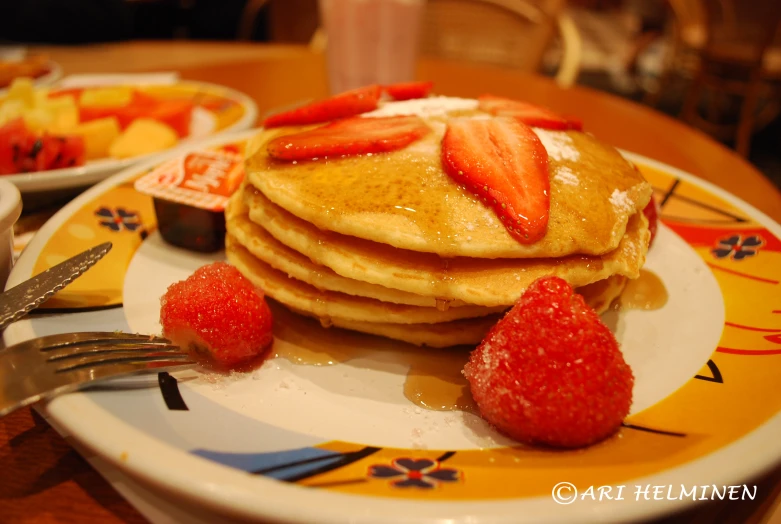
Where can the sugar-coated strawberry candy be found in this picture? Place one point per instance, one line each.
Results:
(343, 105)
(409, 90)
(652, 214)
(550, 372)
(351, 136)
(529, 114)
(218, 314)
(504, 163)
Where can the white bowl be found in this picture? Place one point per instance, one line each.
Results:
(10, 210)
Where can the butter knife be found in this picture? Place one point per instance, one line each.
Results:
(21, 299)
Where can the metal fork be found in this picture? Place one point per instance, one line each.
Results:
(47, 366)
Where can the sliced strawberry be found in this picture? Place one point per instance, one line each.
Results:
(409, 90)
(343, 105)
(505, 164)
(351, 136)
(652, 214)
(529, 114)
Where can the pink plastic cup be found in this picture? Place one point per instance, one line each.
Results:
(371, 41)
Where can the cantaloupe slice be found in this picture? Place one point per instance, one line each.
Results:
(141, 137)
(98, 135)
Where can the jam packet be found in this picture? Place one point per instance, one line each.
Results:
(190, 193)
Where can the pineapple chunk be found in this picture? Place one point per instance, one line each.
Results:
(98, 136)
(22, 89)
(106, 96)
(41, 97)
(65, 114)
(11, 110)
(64, 122)
(59, 102)
(141, 137)
(38, 119)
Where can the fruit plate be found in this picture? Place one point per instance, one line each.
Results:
(324, 432)
(220, 110)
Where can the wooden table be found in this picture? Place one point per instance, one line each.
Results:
(44, 480)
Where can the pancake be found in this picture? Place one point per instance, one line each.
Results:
(600, 295)
(467, 331)
(446, 334)
(405, 200)
(266, 248)
(269, 250)
(326, 304)
(497, 282)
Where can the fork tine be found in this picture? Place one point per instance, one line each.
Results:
(75, 351)
(101, 361)
(51, 342)
(48, 342)
(46, 366)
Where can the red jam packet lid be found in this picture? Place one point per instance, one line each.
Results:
(202, 179)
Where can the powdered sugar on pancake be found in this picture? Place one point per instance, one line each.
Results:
(564, 175)
(621, 201)
(424, 107)
(558, 144)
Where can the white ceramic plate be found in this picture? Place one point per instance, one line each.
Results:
(341, 442)
(204, 124)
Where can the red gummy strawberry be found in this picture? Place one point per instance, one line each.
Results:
(351, 136)
(505, 164)
(550, 372)
(529, 114)
(409, 90)
(218, 314)
(652, 214)
(346, 104)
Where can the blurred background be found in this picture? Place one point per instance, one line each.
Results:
(715, 64)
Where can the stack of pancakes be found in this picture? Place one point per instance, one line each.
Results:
(388, 244)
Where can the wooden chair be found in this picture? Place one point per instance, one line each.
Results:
(248, 18)
(510, 33)
(687, 41)
(737, 58)
(291, 21)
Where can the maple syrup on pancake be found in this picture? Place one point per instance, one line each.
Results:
(442, 304)
(645, 292)
(408, 185)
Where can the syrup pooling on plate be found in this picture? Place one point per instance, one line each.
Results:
(433, 381)
(646, 292)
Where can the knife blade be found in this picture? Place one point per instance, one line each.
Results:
(21, 299)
